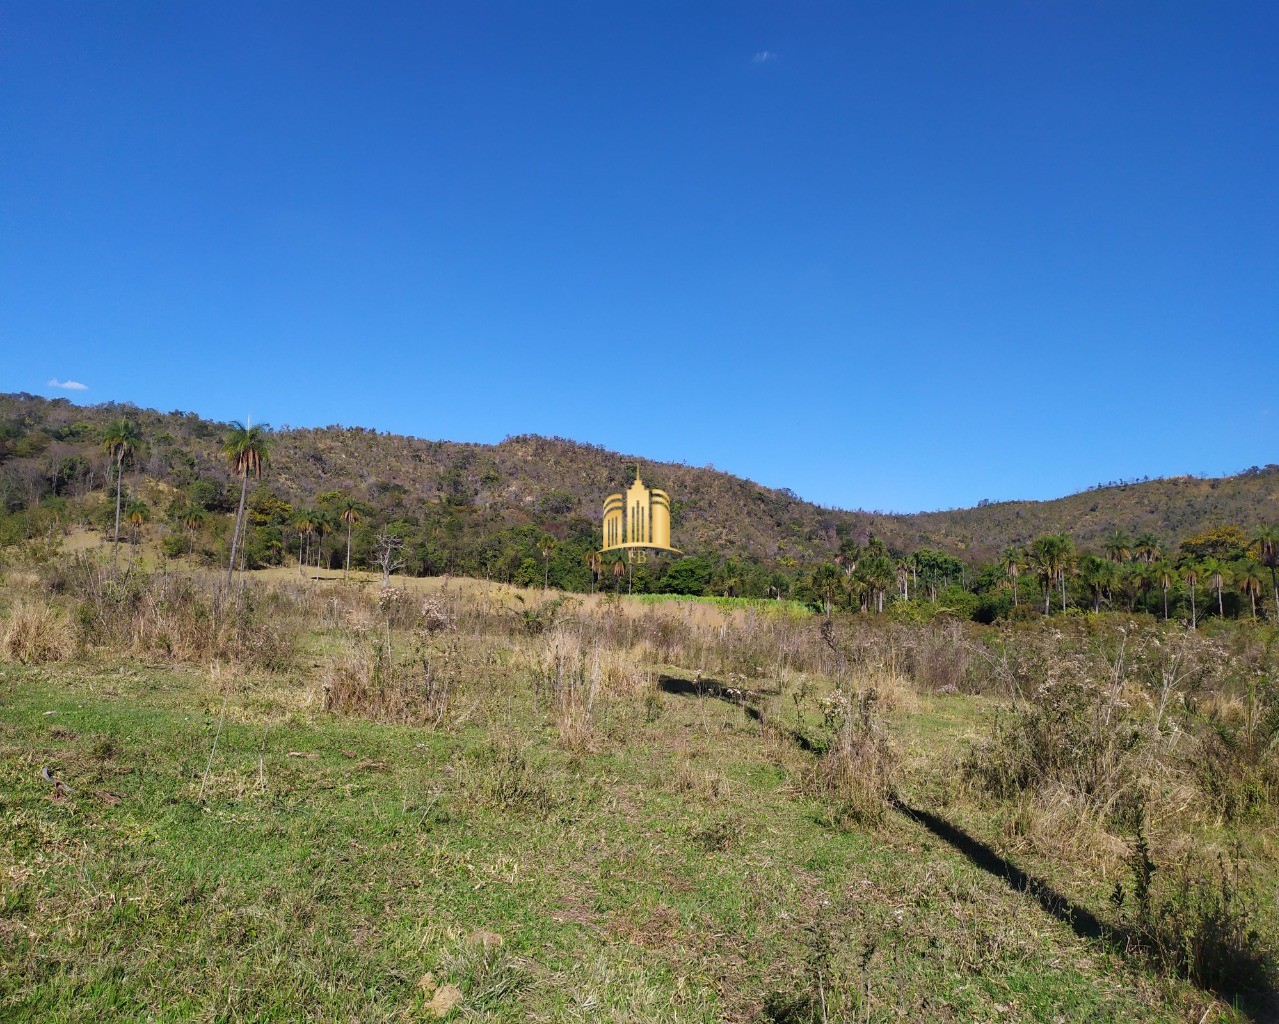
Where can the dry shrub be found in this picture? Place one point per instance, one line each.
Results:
(1198, 919)
(938, 657)
(163, 616)
(1051, 824)
(35, 634)
(895, 693)
(1073, 736)
(625, 673)
(570, 669)
(581, 672)
(364, 679)
(854, 778)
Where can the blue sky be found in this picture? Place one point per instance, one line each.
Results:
(898, 256)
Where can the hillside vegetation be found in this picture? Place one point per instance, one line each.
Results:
(528, 509)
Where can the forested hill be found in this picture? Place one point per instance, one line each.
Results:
(468, 494)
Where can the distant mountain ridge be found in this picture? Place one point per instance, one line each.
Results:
(558, 485)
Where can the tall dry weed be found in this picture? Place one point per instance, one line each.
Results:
(35, 634)
(854, 778)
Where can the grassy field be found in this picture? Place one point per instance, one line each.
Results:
(232, 848)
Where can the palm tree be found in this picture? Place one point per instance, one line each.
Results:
(1100, 575)
(855, 589)
(1142, 578)
(1013, 561)
(138, 515)
(619, 570)
(878, 574)
(1216, 573)
(1248, 582)
(1050, 555)
(1266, 540)
(304, 522)
(245, 449)
(1191, 575)
(1165, 575)
(192, 519)
(1068, 565)
(594, 561)
(322, 525)
(1146, 547)
(120, 439)
(349, 512)
(825, 582)
(546, 547)
(1118, 546)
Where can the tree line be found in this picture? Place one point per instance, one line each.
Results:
(1224, 571)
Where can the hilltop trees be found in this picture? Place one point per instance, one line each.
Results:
(486, 511)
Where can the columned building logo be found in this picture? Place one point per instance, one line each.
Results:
(641, 518)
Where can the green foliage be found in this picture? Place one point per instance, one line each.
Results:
(1226, 543)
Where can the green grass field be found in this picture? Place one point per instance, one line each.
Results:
(341, 870)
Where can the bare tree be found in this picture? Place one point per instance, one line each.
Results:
(388, 557)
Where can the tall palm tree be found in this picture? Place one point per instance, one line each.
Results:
(1248, 583)
(619, 570)
(322, 525)
(245, 449)
(1069, 562)
(854, 589)
(1191, 575)
(138, 515)
(546, 546)
(349, 512)
(1051, 555)
(1013, 561)
(120, 439)
(1165, 575)
(1216, 573)
(1099, 575)
(192, 519)
(304, 522)
(1142, 578)
(1118, 546)
(1266, 540)
(1146, 547)
(826, 582)
(878, 574)
(594, 561)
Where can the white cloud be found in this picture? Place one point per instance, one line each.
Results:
(68, 385)
(763, 57)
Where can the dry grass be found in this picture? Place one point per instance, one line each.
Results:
(35, 634)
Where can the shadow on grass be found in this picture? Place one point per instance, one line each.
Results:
(1261, 1005)
(1081, 921)
(747, 700)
